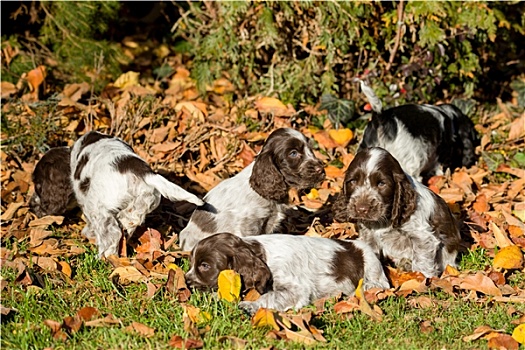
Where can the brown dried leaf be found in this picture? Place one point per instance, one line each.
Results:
(87, 313)
(274, 106)
(72, 324)
(37, 235)
(517, 128)
(324, 139)
(127, 275)
(480, 332)
(10, 211)
(108, 320)
(480, 283)
(141, 329)
(180, 343)
(503, 341)
(236, 343)
(7, 89)
(500, 235)
(46, 221)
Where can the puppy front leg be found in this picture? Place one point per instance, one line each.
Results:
(108, 234)
(425, 258)
(280, 300)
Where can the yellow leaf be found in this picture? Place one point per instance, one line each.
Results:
(127, 79)
(359, 290)
(172, 266)
(313, 194)
(508, 258)
(229, 283)
(264, 317)
(196, 315)
(341, 136)
(364, 306)
(519, 334)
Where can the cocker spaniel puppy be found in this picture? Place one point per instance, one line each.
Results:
(398, 217)
(116, 188)
(254, 201)
(288, 271)
(425, 139)
(53, 190)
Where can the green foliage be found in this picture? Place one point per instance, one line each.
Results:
(70, 40)
(74, 30)
(302, 50)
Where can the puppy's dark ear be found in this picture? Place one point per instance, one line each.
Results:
(340, 208)
(253, 270)
(266, 179)
(405, 200)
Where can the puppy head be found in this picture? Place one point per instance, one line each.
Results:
(224, 251)
(376, 191)
(285, 161)
(53, 189)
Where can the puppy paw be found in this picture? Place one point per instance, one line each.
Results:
(249, 307)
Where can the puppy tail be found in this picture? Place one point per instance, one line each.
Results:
(374, 101)
(170, 190)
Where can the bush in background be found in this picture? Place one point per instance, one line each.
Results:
(414, 51)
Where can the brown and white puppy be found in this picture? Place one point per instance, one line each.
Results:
(425, 139)
(53, 189)
(254, 201)
(288, 271)
(398, 217)
(116, 188)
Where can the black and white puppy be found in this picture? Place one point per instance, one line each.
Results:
(288, 271)
(425, 139)
(53, 190)
(116, 188)
(398, 217)
(254, 201)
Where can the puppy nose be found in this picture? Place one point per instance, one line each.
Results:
(362, 208)
(319, 169)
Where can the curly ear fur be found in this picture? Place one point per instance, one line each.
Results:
(266, 179)
(339, 208)
(405, 200)
(253, 270)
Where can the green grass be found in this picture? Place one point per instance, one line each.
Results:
(451, 317)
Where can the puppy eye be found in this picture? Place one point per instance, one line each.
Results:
(381, 184)
(352, 182)
(204, 266)
(293, 154)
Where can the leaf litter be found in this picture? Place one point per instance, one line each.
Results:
(186, 136)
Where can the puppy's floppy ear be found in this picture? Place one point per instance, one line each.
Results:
(340, 208)
(253, 270)
(405, 200)
(267, 180)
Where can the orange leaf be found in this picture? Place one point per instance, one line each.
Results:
(508, 258)
(503, 341)
(481, 204)
(180, 343)
(36, 77)
(341, 136)
(87, 313)
(480, 283)
(333, 172)
(324, 139)
(274, 106)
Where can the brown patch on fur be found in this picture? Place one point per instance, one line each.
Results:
(84, 184)
(204, 219)
(446, 225)
(80, 166)
(132, 164)
(343, 267)
(92, 137)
